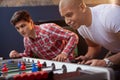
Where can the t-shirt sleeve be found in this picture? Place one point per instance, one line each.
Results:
(115, 25)
(113, 20)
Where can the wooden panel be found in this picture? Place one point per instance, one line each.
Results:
(96, 1)
(88, 1)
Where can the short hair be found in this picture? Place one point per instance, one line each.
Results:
(19, 16)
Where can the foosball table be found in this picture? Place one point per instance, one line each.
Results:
(51, 70)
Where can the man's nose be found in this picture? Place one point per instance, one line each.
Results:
(68, 21)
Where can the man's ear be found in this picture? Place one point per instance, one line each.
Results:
(31, 21)
(82, 7)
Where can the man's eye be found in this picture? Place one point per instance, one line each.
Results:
(17, 28)
(22, 26)
(69, 15)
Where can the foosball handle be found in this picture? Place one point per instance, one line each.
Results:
(74, 61)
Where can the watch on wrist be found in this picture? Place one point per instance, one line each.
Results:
(108, 62)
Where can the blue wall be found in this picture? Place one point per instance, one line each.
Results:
(10, 38)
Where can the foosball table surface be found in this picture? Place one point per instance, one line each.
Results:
(53, 70)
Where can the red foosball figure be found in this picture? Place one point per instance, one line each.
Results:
(4, 70)
(39, 65)
(23, 67)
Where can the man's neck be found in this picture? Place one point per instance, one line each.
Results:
(33, 35)
(88, 17)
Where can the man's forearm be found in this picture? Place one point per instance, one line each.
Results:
(93, 52)
(115, 58)
(93, 49)
(71, 45)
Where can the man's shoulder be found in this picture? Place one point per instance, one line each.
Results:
(47, 24)
(106, 7)
(100, 10)
(102, 6)
(107, 12)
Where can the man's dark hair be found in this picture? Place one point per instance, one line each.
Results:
(19, 16)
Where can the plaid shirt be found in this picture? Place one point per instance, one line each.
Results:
(50, 41)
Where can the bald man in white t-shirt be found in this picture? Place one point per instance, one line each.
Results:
(99, 26)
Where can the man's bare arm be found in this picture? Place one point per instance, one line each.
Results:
(93, 49)
(115, 58)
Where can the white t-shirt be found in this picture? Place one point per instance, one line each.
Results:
(105, 27)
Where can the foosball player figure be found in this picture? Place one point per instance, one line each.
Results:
(4, 70)
(22, 68)
(19, 64)
(17, 77)
(38, 75)
(34, 68)
(39, 66)
(31, 76)
(24, 76)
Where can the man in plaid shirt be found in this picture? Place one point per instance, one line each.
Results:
(46, 41)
